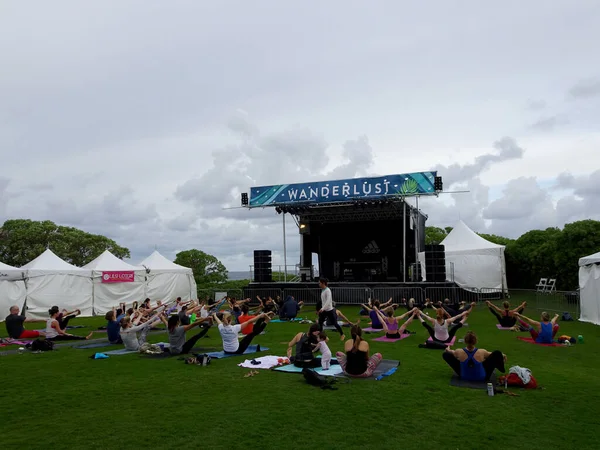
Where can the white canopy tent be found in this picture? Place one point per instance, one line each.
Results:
(12, 289)
(474, 261)
(167, 280)
(54, 282)
(115, 281)
(589, 285)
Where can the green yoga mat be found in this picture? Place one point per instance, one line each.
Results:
(336, 370)
(297, 319)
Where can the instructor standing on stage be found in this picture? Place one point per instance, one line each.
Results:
(327, 310)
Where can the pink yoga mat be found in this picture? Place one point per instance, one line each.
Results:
(445, 343)
(386, 339)
(532, 341)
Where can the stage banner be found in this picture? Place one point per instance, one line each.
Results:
(126, 276)
(404, 185)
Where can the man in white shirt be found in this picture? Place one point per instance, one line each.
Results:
(327, 310)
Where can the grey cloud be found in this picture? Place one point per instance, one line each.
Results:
(548, 123)
(582, 186)
(3, 195)
(522, 196)
(536, 105)
(585, 89)
(507, 149)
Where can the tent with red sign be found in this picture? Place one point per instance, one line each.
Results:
(12, 289)
(115, 282)
(167, 280)
(52, 282)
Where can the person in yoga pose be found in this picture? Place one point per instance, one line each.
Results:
(391, 324)
(129, 331)
(327, 310)
(472, 363)
(55, 333)
(177, 343)
(247, 316)
(113, 327)
(440, 334)
(506, 317)
(366, 308)
(304, 344)
(355, 361)
(14, 325)
(375, 321)
(542, 332)
(229, 332)
(64, 316)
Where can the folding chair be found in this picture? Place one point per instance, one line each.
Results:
(541, 286)
(551, 286)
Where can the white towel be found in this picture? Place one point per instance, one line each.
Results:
(522, 372)
(265, 362)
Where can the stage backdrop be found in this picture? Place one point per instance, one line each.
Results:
(420, 183)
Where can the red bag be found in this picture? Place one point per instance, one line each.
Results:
(513, 380)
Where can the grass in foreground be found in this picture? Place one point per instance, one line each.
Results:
(64, 399)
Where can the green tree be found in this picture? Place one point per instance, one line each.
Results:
(23, 240)
(576, 240)
(208, 270)
(435, 235)
(500, 240)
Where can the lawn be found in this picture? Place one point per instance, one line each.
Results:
(64, 399)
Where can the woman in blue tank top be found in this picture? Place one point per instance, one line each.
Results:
(472, 363)
(542, 332)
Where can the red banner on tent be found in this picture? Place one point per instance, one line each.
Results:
(126, 276)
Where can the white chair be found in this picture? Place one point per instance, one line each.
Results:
(541, 286)
(551, 286)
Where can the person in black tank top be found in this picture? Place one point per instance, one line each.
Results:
(356, 361)
(506, 317)
(304, 344)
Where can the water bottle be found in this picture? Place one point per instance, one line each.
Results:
(580, 339)
(490, 389)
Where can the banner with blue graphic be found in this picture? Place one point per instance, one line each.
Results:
(405, 185)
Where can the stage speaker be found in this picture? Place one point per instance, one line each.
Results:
(263, 269)
(435, 263)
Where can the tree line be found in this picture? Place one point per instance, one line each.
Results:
(549, 253)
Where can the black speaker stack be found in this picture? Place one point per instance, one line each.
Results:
(435, 263)
(263, 269)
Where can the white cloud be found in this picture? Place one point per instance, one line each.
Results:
(146, 123)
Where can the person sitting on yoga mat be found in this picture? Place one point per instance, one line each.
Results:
(375, 322)
(247, 316)
(14, 325)
(355, 361)
(129, 332)
(64, 316)
(55, 333)
(113, 327)
(542, 332)
(506, 317)
(391, 323)
(229, 332)
(472, 363)
(176, 332)
(366, 308)
(440, 334)
(327, 310)
(304, 344)
(289, 309)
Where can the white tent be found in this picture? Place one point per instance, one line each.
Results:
(54, 282)
(12, 289)
(474, 261)
(589, 285)
(116, 281)
(167, 280)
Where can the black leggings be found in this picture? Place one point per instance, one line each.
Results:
(494, 361)
(506, 321)
(332, 316)
(63, 322)
(258, 328)
(189, 344)
(436, 342)
(62, 337)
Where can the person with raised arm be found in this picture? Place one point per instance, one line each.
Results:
(391, 324)
(542, 332)
(176, 332)
(55, 333)
(14, 325)
(229, 332)
(506, 317)
(440, 333)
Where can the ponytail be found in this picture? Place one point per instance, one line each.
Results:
(356, 334)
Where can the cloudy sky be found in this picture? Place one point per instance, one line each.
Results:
(143, 119)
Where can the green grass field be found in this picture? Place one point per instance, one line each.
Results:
(64, 399)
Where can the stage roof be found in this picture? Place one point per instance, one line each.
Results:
(340, 191)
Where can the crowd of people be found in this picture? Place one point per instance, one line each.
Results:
(234, 318)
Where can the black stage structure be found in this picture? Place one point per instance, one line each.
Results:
(365, 233)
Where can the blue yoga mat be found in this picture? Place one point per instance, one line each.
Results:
(121, 351)
(221, 355)
(331, 372)
(94, 345)
(297, 319)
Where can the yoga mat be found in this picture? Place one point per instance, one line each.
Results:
(331, 327)
(297, 319)
(16, 342)
(93, 345)
(383, 367)
(445, 343)
(72, 327)
(121, 351)
(250, 349)
(372, 330)
(386, 339)
(456, 381)
(500, 327)
(532, 341)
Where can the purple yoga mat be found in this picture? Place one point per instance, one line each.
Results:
(446, 343)
(500, 327)
(18, 342)
(386, 339)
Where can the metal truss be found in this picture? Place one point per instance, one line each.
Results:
(355, 212)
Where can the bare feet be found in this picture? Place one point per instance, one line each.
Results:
(342, 337)
(89, 335)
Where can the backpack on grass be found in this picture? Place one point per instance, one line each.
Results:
(41, 345)
(314, 379)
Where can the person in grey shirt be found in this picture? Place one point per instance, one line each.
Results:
(177, 343)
